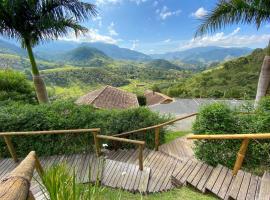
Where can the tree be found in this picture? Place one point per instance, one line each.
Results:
(35, 21)
(245, 12)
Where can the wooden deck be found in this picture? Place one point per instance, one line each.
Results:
(172, 166)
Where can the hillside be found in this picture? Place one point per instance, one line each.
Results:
(161, 64)
(204, 55)
(233, 79)
(8, 48)
(47, 51)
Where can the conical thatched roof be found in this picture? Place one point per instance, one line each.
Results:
(109, 97)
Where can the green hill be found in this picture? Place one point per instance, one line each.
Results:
(233, 79)
(161, 64)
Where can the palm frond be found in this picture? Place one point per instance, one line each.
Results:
(235, 11)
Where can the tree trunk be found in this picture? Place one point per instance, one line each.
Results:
(264, 80)
(39, 84)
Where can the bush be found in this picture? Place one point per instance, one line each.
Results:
(66, 115)
(220, 119)
(14, 86)
(141, 100)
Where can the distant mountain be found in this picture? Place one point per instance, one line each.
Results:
(161, 64)
(48, 50)
(8, 48)
(204, 54)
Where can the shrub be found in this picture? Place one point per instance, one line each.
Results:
(66, 115)
(220, 119)
(141, 100)
(14, 86)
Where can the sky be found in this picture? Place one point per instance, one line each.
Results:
(159, 26)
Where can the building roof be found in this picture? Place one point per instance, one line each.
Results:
(153, 98)
(109, 97)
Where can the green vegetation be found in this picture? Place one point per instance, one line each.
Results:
(65, 115)
(233, 79)
(61, 185)
(14, 86)
(162, 64)
(220, 119)
(172, 135)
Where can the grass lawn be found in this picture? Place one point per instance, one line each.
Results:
(184, 193)
(172, 135)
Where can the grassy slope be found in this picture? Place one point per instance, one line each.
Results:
(233, 79)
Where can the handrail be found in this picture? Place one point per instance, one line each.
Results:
(156, 128)
(140, 144)
(17, 184)
(7, 136)
(243, 149)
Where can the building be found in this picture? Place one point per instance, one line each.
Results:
(153, 98)
(109, 97)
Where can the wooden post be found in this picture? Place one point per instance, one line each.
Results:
(38, 166)
(11, 148)
(30, 196)
(96, 140)
(240, 156)
(156, 138)
(141, 157)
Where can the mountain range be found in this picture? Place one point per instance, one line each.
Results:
(74, 52)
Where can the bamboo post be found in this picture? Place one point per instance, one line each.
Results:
(38, 166)
(11, 148)
(141, 157)
(96, 140)
(156, 138)
(240, 156)
(17, 184)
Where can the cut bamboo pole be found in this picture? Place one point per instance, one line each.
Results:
(156, 138)
(97, 146)
(141, 157)
(11, 148)
(240, 156)
(17, 184)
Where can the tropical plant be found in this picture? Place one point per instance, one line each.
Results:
(35, 21)
(244, 12)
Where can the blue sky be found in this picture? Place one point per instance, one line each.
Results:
(158, 26)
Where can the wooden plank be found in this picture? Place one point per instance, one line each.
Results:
(258, 188)
(220, 180)
(143, 185)
(244, 186)
(265, 187)
(199, 175)
(205, 177)
(226, 185)
(212, 179)
(183, 170)
(252, 188)
(188, 172)
(236, 184)
(194, 172)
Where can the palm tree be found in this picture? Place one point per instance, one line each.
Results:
(35, 21)
(229, 12)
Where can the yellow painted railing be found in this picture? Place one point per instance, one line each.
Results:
(244, 146)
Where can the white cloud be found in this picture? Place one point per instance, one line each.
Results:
(112, 31)
(164, 13)
(98, 20)
(92, 35)
(135, 44)
(104, 2)
(138, 2)
(232, 39)
(155, 3)
(167, 40)
(200, 13)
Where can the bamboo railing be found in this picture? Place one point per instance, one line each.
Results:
(244, 146)
(7, 136)
(156, 128)
(17, 184)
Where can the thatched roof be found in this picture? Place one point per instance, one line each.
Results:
(109, 97)
(153, 98)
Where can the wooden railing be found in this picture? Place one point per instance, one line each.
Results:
(244, 146)
(140, 144)
(156, 128)
(17, 184)
(7, 136)
(95, 132)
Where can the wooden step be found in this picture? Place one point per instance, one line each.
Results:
(244, 186)
(126, 176)
(264, 193)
